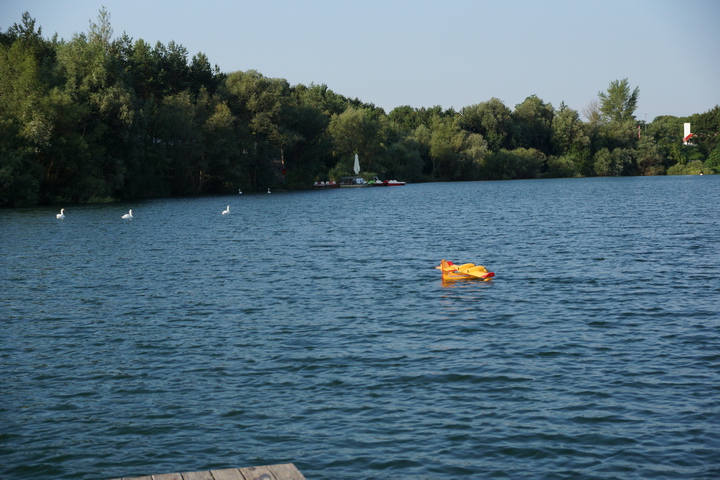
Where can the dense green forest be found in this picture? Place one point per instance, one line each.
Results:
(97, 118)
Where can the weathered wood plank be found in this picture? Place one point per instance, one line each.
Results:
(167, 476)
(205, 475)
(286, 471)
(227, 474)
(257, 473)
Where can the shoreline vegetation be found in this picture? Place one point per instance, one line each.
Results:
(98, 118)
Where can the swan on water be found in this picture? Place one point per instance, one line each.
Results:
(128, 216)
(239, 191)
(61, 215)
(268, 190)
(227, 210)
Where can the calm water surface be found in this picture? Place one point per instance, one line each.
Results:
(311, 327)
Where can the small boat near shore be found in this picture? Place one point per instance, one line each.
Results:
(376, 182)
(466, 271)
(353, 182)
(327, 184)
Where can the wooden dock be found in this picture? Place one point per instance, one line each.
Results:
(285, 471)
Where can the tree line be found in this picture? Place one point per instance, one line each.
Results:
(97, 118)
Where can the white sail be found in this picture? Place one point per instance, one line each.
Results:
(356, 168)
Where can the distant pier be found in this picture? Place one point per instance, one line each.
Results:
(285, 471)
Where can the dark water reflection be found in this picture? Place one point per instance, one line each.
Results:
(311, 327)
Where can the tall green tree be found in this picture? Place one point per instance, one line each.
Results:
(650, 160)
(706, 130)
(532, 122)
(320, 97)
(611, 163)
(491, 119)
(619, 102)
(258, 103)
(357, 130)
(456, 154)
(179, 134)
(27, 117)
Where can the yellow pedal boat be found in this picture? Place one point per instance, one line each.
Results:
(466, 271)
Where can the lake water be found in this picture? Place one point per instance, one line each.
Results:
(311, 327)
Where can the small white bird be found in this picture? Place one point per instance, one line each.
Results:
(128, 216)
(239, 191)
(61, 215)
(227, 210)
(268, 190)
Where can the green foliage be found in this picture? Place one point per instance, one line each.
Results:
(19, 179)
(517, 163)
(357, 130)
(561, 167)
(650, 160)
(618, 104)
(96, 118)
(713, 160)
(533, 122)
(569, 134)
(695, 167)
(613, 163)
(706, 130)
(492, 120)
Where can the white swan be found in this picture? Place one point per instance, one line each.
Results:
(239, 191)
(61, 215)
(268, 190)
(227, 210)
(128, 216)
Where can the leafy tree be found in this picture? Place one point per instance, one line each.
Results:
(532, 121)
(320, 97)
(259, 102)
(571, 141)
(357, 130)
(422, 137)
(405, 117)
(713, 160)
(171, 63)
(140, 64)
(96, 117)
(610, 163)
(180, 137)
(619, 103)
(217, 167)
(650, 160)
(694, 167)
(490, 119)
(475, 151)
(618, 134)
(446, 143)
(561, 167)
(568, 132)
(201, 75)
(309, 152)
(706, 130)
(405, 162)
(518, 163)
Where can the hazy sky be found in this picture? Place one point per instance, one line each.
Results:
(422, 53)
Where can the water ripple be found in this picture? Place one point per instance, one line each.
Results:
(185, 340)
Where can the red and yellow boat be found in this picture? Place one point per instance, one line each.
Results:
(466, 271)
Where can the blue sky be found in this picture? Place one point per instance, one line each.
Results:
(422, 53)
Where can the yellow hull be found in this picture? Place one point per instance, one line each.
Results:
(467, 271)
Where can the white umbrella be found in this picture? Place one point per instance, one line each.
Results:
(356, 168)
